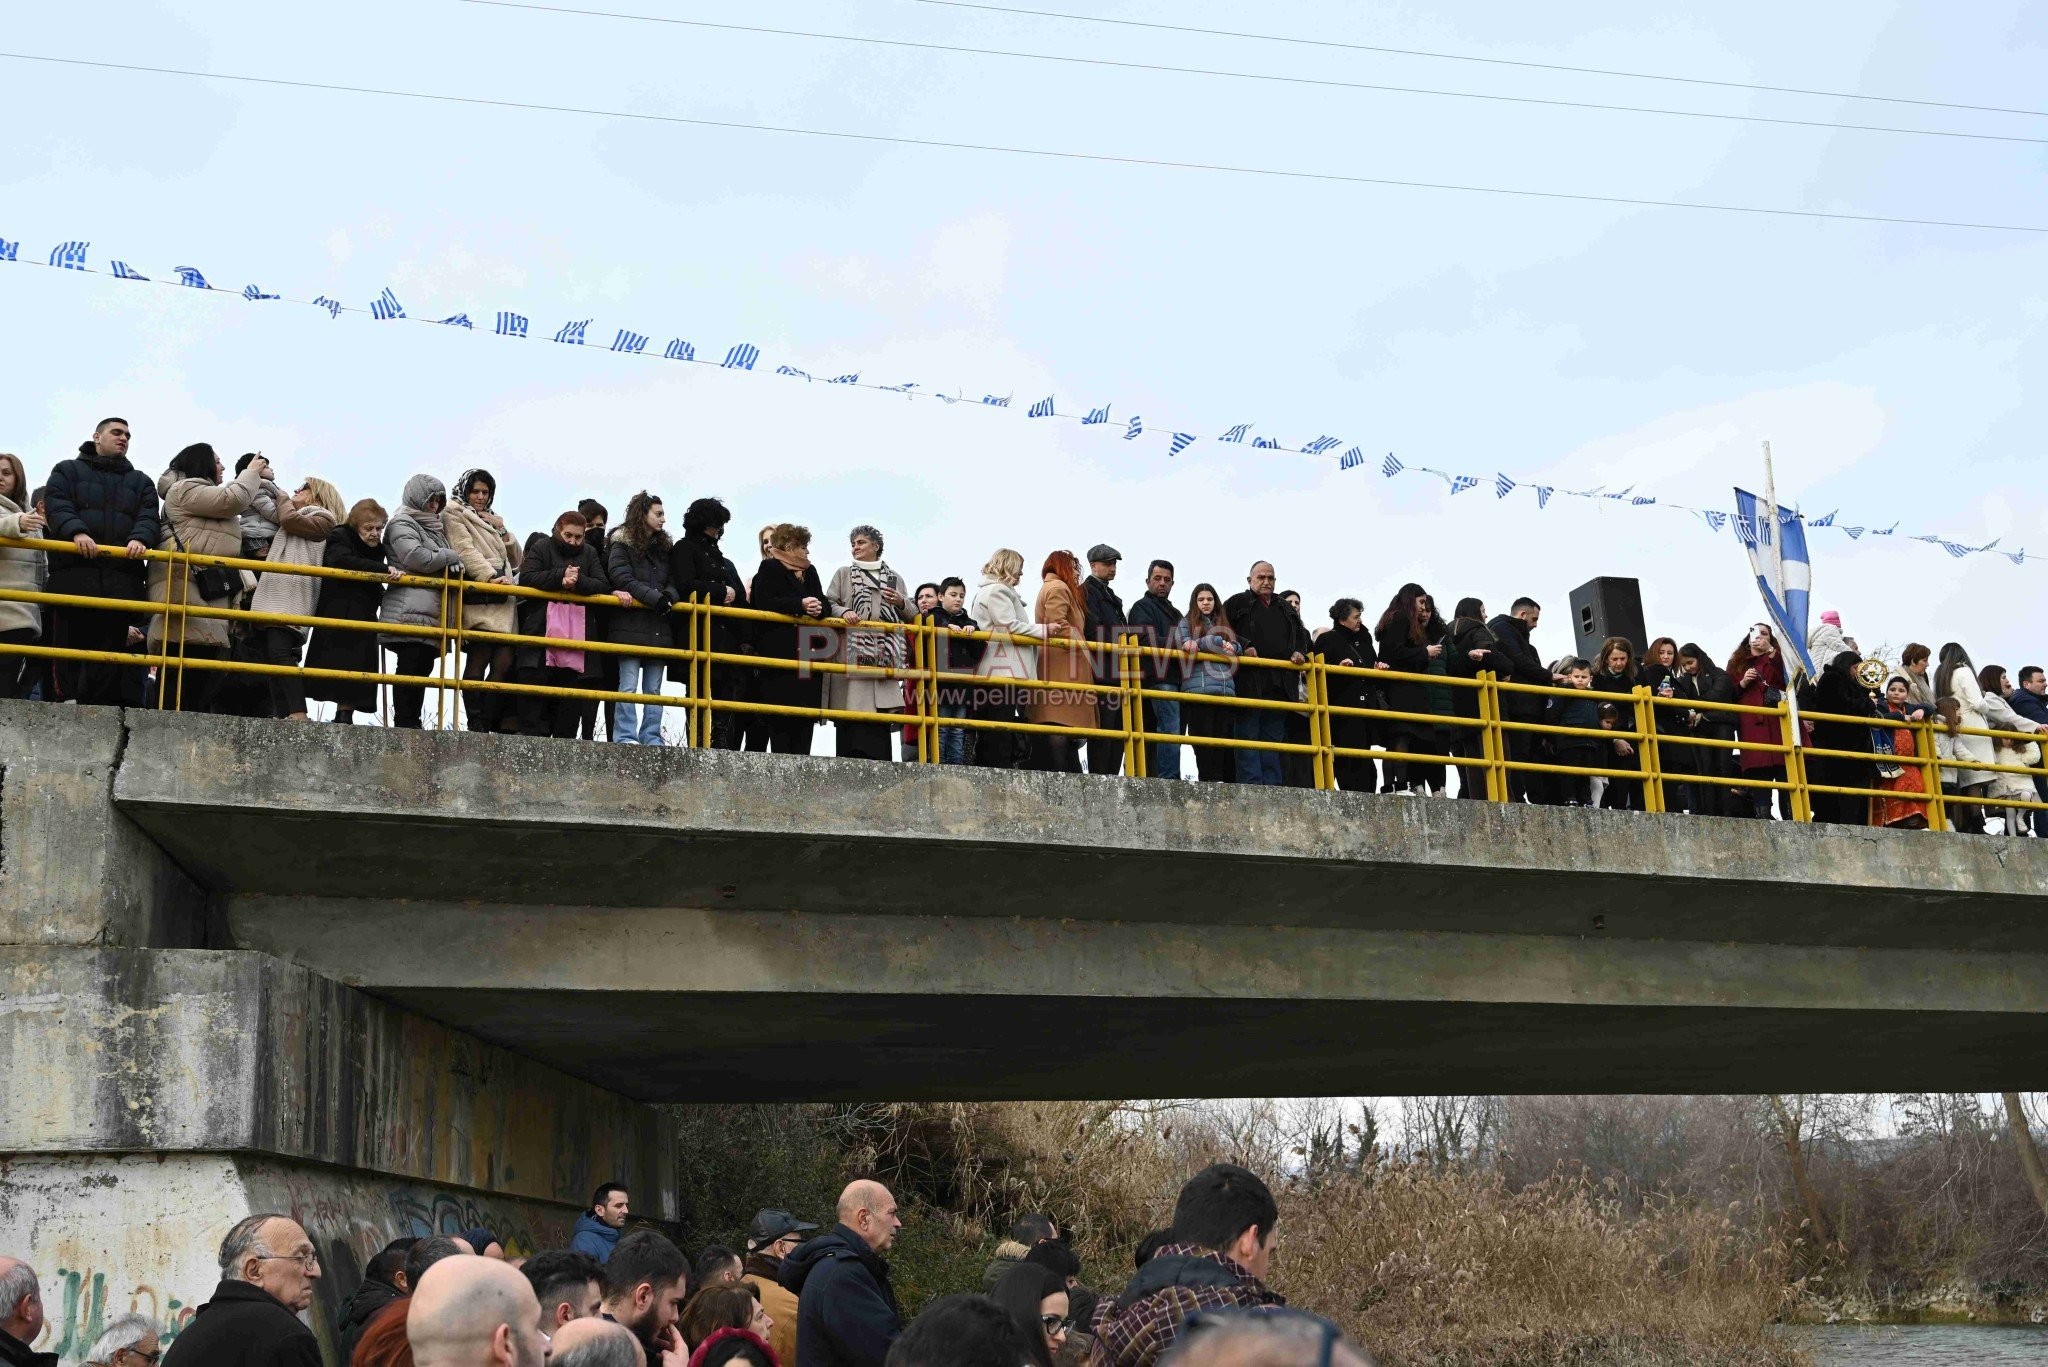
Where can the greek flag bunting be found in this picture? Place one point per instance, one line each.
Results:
(1135, 430)
(386, 305)
(1641, 500)
(1265, 443)
(10, 251)
(460, 320)
(1543, 493)
(741, 357)
(1096, 416)
(1827, 521)
(1886, 532)
(511, 324)
(2017, 557)
(1319, 446)
(1855, 533)
(1716, 520)
(1041, 409)
(1181, 442)
(1390, 466)
(333, 306)
(993, 402)
(572, 333)
(1776, 544)
(852, 377)
(191, 276)
(792, 370)
(1236, 433)
(1460, 483)
(69, 256)
(255, 292)
(123, 271)
(1502, 486)
(679, 350)
(631, 342)
(1351, 459)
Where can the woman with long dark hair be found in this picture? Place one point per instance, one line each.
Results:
(636, 561)
(1469, 651)
(1035, 1299)
(1614, 672)
(490, 555)
(1756, 674)
(1659, 671)
(1206, 630)
(1411, 640)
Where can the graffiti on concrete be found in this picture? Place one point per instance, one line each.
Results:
(82, 1314)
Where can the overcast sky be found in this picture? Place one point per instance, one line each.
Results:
(1560, 342)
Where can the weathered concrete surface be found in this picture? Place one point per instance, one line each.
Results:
(111, 1235)
(230, 1051)
(72, 871)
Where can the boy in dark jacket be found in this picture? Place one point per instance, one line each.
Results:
(1583, 714)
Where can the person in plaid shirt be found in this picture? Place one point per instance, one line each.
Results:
(1223, 1227)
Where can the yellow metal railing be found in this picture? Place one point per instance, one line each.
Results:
(1124, 664)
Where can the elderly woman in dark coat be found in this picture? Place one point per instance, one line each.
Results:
(563, 561)
(787, 582)
(357, 544)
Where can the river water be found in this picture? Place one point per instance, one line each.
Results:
(1916, 1345)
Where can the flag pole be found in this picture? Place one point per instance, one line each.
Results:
(1776, 523)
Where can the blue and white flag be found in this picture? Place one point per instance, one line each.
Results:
(1390, 466)
(1351, 459)
(1715, 519)
(333, 306)
(572, 333)
(10, 251)
(1855, 533)
(633, 343)
(1776, 543)
(1641, 501)
(1236, 433)
(993, 402)
(69, 256)
(792, 370)
(191, 276)
(2017, 557)
(1460, 483)
(1096, 416)
(386, 305)
(1543, 493)
(1181, 442)
(460, 320)
(123, 271)
(852, 377)
(1320, 445)
(1827, 521)
(511, 324)
(1135, 430)
(1041, 409)
(741, 356)
(1502, 486)
(1265, 443)
(680, 350)
(1886, 532)
(1623, 494)
(255, 292)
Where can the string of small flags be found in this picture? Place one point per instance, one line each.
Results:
(75, 256)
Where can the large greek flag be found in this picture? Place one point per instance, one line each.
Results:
(1776, 542)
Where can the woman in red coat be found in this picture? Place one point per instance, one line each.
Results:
(1756, 671)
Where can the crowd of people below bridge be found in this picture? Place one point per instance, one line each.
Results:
(1206, 648)
(793, 1296)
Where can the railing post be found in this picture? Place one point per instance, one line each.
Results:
(707, 635)
(928, 690)
(1930, 775)
(1800, 800)
(1651, 760)
(1131, 696)
(184, 602)
(1493, 775)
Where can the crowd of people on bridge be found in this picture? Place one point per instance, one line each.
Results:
(797, 1296)
(1202, 647)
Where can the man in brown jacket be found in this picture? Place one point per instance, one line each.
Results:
(770, 1238)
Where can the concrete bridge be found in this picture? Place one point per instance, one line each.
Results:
(398, 981)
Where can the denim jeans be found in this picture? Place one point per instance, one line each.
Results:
(639, 676)
(1162, 716)
(956, 743)
(1260, 766)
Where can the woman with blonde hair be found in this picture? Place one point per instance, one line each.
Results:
(20, 623)
(305, 522)
(358, 545)
(1006, 664)
(787, 583)
(1059, 610)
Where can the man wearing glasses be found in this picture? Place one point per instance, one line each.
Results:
(267, 1268)
(130, 1341)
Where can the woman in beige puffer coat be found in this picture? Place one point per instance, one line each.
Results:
(204, 513)
(490, 555)
(20, 623)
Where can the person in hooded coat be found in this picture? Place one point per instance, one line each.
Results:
(1838, 692)
(1348, 644)
(562, 561)
(356, 545)
(20, 623)
(701, 571)
(203, 514)
(417, 544)
(306, 520)
(98, 501)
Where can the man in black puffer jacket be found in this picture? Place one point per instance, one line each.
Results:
(108, 509)
(846, 1310)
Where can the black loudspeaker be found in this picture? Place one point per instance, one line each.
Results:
(1607, 607)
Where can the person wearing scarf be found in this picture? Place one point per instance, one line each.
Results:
(417, 544)
(787, 583)
(869, 591)
(306, 521)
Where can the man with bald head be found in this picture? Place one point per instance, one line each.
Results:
(1267, 628)
(21, 1315)
(846, 1310)
(267, 1269)
(475, 1312)
(595, 1342)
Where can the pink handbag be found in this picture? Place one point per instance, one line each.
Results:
(565, 622)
